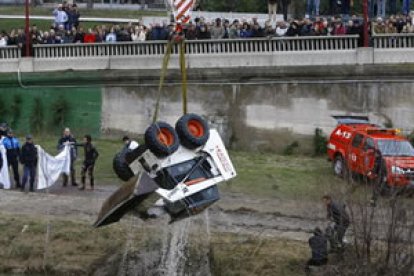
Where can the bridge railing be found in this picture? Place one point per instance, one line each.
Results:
(386, 41)
(10, 52)
(198, 47)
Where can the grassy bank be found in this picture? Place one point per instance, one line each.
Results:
(72, 248)
(244, 255)
(259, 174)
(271, 175)
(75, 249)
(44, 25)
(46, 11)
(9, 24)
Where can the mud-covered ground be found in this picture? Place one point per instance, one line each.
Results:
(234, 213)
(231, 230)
(239, 235)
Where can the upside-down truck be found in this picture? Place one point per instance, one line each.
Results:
(174, 173)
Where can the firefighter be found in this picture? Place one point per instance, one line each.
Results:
(91, 154)
(378, 172)
(337, 213)
(318, 244)
(12, 147)
(68, 139)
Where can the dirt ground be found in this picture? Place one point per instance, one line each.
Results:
(234, 228)
(234, 213)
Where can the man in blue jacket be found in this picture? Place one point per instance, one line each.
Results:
(12, 146)
(28, 158)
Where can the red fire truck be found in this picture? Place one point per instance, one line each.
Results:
(358, 147)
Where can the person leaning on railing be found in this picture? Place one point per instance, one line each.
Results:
(3, 39)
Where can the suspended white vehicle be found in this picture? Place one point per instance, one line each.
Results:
(176, 172)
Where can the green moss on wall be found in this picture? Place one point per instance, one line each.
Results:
(83, 114)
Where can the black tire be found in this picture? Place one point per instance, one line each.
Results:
(154, 143)
(121, 168)
(339, 167)
(193, 131)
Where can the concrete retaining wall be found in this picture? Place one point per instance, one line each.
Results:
(264, 116)
(255, 108)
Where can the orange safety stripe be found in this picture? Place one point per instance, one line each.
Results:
(194, 181)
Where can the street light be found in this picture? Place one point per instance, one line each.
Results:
(27, 30)
(365, 14)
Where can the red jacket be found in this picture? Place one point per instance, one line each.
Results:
(89, 38)
(339, 30)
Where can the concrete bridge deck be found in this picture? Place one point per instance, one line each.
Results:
(239, 53)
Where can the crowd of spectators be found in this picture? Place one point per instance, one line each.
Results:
(66, 29)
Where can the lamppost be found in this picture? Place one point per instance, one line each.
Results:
(27, 30)
(365, 14)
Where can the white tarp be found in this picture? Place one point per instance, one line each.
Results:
(49, 167)
(4, 172)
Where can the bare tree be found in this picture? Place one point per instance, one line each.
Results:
(382, 241)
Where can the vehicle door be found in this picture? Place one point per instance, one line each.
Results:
(368, 155)
(354, 153)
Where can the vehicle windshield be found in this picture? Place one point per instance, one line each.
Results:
(395, 148)
(196, 169)
(180, 171)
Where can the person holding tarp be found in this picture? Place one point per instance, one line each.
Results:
(4, 168)
(68, 139)
(28, 158)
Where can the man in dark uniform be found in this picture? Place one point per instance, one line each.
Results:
(12, 146)
(336, 212)
(91, 154)
(379, 175)
(318, 244)
(68, 139)
(28, 158)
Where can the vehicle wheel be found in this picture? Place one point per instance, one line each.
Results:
(193, 131)
(121, 168)
(339, 167)
(161, 139)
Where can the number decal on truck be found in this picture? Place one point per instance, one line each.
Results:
(353, 157)
(343, 134)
